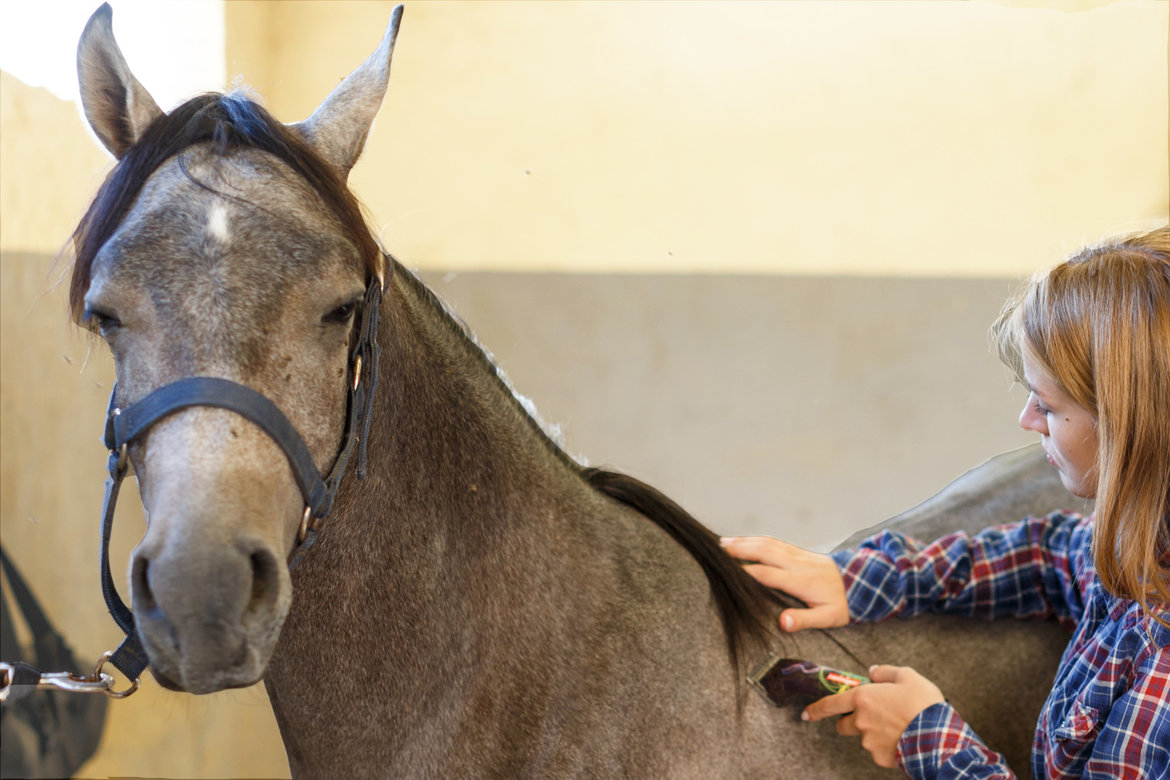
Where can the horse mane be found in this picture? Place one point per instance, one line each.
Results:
(228, 122)
(742, 602)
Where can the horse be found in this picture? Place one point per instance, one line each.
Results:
(458, 597)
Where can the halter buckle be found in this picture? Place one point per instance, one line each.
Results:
(303, 531)
(123, 450)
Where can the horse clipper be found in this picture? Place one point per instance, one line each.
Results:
(782, 680)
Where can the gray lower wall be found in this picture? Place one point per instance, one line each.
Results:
(799, 407)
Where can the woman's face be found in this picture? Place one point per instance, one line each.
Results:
(1068, 431)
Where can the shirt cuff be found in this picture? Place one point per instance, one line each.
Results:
(939, 744)
(872, 588)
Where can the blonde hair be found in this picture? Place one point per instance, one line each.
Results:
(1099, 325)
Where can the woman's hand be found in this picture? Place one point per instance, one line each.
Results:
(880, 711)
(811, 577)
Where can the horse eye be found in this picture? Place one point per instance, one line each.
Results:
(342, 314)
(103, 322)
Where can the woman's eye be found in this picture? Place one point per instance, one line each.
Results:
(342, 314)
(1041, 408)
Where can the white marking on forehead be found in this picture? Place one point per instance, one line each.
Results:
(217, 222)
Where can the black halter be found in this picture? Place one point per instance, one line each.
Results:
(124, 426)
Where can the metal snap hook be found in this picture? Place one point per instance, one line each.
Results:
(108, 681)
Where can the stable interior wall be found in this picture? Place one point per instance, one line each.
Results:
(944, 138)
(747, 252)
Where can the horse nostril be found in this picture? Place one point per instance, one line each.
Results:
(265, 579)
(146, 607)
(143, 596)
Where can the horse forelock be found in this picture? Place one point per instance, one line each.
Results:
(225, 123)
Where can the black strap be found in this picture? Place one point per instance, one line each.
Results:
(362, 396)
(128, 424)
(22, 681)
(130, 657)
(48, 646)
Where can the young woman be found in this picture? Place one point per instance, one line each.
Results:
(1091, 340)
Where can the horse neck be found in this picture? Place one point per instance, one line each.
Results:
(449, 434)
(462, 483)
(456, 591)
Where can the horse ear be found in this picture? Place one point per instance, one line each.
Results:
(337, 130)
(118, 107)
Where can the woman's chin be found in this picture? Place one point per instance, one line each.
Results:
(1077, 486)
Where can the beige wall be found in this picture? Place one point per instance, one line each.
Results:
(935, 140)
(966, 138)
(940, 138)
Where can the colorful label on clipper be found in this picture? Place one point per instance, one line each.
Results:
(781, 680)
(834, 681)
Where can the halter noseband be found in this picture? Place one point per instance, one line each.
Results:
(124, 426)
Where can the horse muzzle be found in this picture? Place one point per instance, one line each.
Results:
(209, 581)
(219, 634)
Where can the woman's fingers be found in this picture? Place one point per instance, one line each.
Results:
(880, 711)
(809, 576)
(847, 726)
(892, 674)
(764, 549)
(820, 616)
(837, 704)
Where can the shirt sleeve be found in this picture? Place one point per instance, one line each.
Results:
(939, 745)
(1036, 568)
(1134, 743)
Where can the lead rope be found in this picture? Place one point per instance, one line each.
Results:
(130, 657)
(20, 679)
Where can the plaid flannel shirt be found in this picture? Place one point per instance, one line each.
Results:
(1108, 715)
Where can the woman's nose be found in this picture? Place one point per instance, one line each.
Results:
(1032, 420)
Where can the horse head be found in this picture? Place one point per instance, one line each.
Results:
(225, 245)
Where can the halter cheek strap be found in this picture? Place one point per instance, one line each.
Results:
(125, 426)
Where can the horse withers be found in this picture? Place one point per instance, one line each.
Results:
(480, 603)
